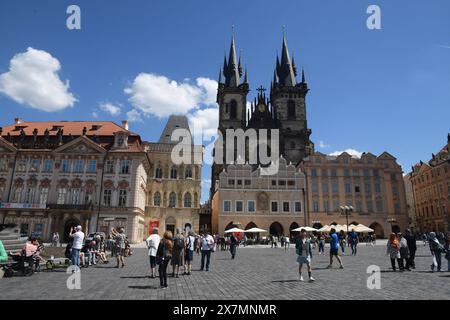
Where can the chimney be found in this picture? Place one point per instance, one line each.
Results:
(125, 124)
(18, 120)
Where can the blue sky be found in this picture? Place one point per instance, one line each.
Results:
(371, 90)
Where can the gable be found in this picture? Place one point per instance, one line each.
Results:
(81, 145)
(5, 146)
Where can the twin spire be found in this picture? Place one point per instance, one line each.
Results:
(285, 72)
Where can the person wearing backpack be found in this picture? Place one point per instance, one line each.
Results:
(177, 254)
(152, 244)
(164, 255)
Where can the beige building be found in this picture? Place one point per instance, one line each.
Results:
(174, 190)
(372, 185)
(246, 198)
(410, 202)
(431, 191)
(54, 175)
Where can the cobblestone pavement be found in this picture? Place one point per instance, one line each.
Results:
(256, 273)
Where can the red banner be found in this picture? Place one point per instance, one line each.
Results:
(153, 224)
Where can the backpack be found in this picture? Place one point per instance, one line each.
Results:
(179, 243)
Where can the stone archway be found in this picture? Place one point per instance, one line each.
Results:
(378, 229)
(229, 226)
(276, 229)
(68, 225)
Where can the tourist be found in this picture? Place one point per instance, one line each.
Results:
(342, 241)
(152, 245)
(119, 238)
(353, 241)
(304, 254)
(436, 250)
(77, 244)
(412, 246)
(189, 256)
(447, 252)
(287, 243)
(55, 240)
(404, 253)
(164, 255)
(321, 239)
(100, 248)
(233, 246)
(206, 245)
(282, 239)
(334, 249)
(393, 250)
(177, 253)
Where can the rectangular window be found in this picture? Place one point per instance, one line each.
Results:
(366, 173)
(326, 206)
(239, 182)
(395, 190)
(48, 165)
(231, 182)
(375, 173)
(324, 173)
(286, 206)
(22, 165)
(107, 195)
(92, 166)
(239, 206)
(324, 187)
(109, 167)
(3, 165)
(61, 198)
(348, 187)
(281, 182)
(29, 195)
(346, 173)
(315, 206)
(315, 187)
(335, 187)
(377, 188)
(251, 206)
(298, 206)
(355, 172)
(358, 206)
(76, 196)
(122, 198)
(248, 182)
(367, 188)
(274, 206)
(35, 165)
(333, 172)
(274, 182)
(313, 172)
(43, 197)
(65, 165)
(357, 189)
(227, 206)
(291, 183)
(379, 205)
(124, 166)
(78, 167)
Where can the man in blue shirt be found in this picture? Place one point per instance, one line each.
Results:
(353, 241)
(334, 249)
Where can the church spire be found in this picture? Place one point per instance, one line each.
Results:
(303, 76)
(231, 71)
(285, 69)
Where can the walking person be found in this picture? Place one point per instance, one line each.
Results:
(436, 250)
(321, 240)
(304, 254)
(190, 247)
(206, 245)
(353, 241)
(77, 237)
(393, 250)
(164, 255)
(404, 253)
(342, 241)
(119, 238)
(287, 243)
(334, 249)
(152, 244)
(233, 246)
(177, 254)
(412, 246)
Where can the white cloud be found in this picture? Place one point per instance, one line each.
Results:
(110, 108)
(134, 116)
(323, 145)
(206, 120)
(94, 114)
(161, 96)
(33, 80)
(352, 152)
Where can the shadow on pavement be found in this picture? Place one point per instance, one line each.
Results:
(143, 287)
(285, 281)
(136, 277)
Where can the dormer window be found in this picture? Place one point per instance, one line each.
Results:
(121, 140)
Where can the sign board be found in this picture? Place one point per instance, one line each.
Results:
(153, 224)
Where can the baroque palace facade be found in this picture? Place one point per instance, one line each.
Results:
(311, 182)
(54, 175)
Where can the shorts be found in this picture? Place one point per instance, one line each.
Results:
(152, 262)
(189, 255)
(302, 260)
(120, 252)
(334, 252)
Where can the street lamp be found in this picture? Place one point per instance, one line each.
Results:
(345, 210)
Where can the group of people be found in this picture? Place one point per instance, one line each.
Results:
(178, 251)
(402, 249)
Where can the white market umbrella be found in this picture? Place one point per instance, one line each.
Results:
(234, 230)
(325, 228)
(255, 230)
(307, 229)
(362, 228)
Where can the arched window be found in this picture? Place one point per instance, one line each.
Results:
(173, 173)
(233, 109)
(188, 173)
(158, 173)
(157, 199)
(187, 200)
(172, 200)
(291, 109)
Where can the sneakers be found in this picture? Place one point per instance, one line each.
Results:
(311, 279)
(301, 279)
(341, 267)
